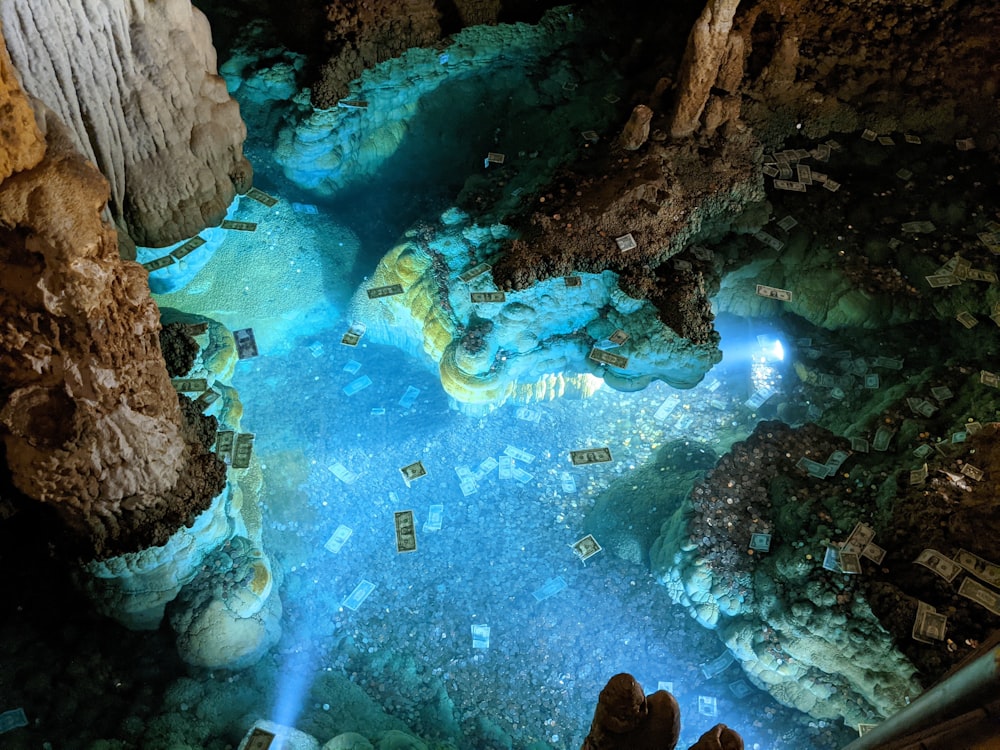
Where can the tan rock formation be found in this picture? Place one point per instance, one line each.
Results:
(136, 84)
(89, 418)
(636, 130)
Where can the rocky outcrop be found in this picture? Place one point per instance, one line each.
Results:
(136, 84)
(89, 418)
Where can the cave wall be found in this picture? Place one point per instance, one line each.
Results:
(137, 86)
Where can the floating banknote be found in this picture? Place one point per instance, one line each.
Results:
(965, 144)
(487, 296)
(973, 428)
(305, 208)
(708, 706)
(925, 408)
(918, 476)
(788, 223)
(243, 450)
(928, 625)
(506, 464)
(882, 437)
(354, 333)
(486, 466)
(13, 719)
(494, 157)
(943, 279)
(336, 542)
(409, 397)
(240, 226)
(869, 135)
(389, 290)
(468, 486)
(760, 542)
(831, 559)
(939, 564)
(759, 397)
(206, 399)
(664, 410)
(988, 378)
(803, 174)
(358, 384)
(477, 270)
(941, 392)
(187, 248)
(740, 688)
(977, 592)
(626, 242)
(814, 468)
(551, 587)
(590, 136)
(871, 380)
(850, 563)
(480, 636)
(770, 171)
(377, 411)
(567, 483)
(885, 140)
(573, 280)
(352, 366)
(156, 265)
(246, 343)
(190, 385)
(260, 739)
(586, 547)
(619, 337)
(979, 567)
(972, 472)
(590, 456)
(888, 363)
(350, 339)
(718, 665)
(771, 241)
(607, 358)
(792, 185)
(360, 593)
(413, 471)
(832, 185)
(785, 176)
(519, 454)
(353, 104)
(859, 445)
(261, 197)
(910, 138)
(527, 414)
(774, 293)
(874, 553)
(224, 441)
(435, 517)
(904, 174)
(406, 533)
(521, 475)
(918, 227)
(967, 319)
(860, 536)
(342, 473)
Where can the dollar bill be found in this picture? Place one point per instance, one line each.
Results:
(770, 240)
(506, 467)
(869, 135)
(350, 339)
(406, 534)
(573, 281)
(977, 592)
(206, 399)
(718, 665)
(246, 343)
(974, 274)
(831, 559)
(336, 542)
(928, 625)
(487, 297)
(850, 562)
(190, 385)
(989, 378)
(13, 719)
(389, 290)
(882, 437)
(224, 442)
(785, 174)
(567, 483)
(518, 454)
(859, 445)
(259, 739)
(156, 265)
(590, 456)
(477, 270)
(991, 240)
(972, 472)
(551, 587)
(344, 474)
(409, 397)
(619, 336)
(708, 706)
(771, 292)
(788, 223)
(861, 535)
(918, 227)
(888, 363)
(740, 688)
(435, 518)
(886, 140)
(965, 144)
(413, 471)
(353, 104)
(626, 242)
(913, 139)
(760, 542)
(918, 476)
(358, 384)
(874, 553)
(941, 392)
(872, 381)
(480, 636)
(261, 197)
(973, 428)
(242, 450)
(770, 170)
(803, 174)
(939, 564)
(832, 185)
(360, 593)
(792, 185)
(904, 174)
(352, 366)
(967, 319)
(938, 280)
(586, 547)
(590, 136)
(494, 157)
(305, 208)
(521, 475)
(239, 226)
(187, 248)
(607, 358)
(982, 569)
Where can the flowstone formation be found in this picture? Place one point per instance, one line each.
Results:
(531, 345)
(801, 631)
(136, 84)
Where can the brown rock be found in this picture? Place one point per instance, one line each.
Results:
(21, 143)
(636, 130)
(626, 719)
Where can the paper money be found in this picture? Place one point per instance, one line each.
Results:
(586, 547)
(774, 293)
(974, 274)
(13, 719)
(259, 740)
(242, 450)
(874, 553)
(406, 535)
(353, 104)
(941, 392)
(973, 428)
(352, 366)
(607, 358)
(480, 636)
(619, 337)
(904, 174)
(910, 138)
(206, 399)
(918, 227)
(888, 363)
(572, 280)
(918, 476)
(803, 174)
(831, 559)
(882, 437)
(771, 241)
(344, 474)
(740, 688)
(527, 414)
(487, 296)
(832, 185)
(590, 136)
(769, 170)
(354, 333)
(239, 226)
(859, 445)
(224, 442)
(708, 706)
(760, 542)
(190, 385)
(375, 292)
(473, 272)
(156, 265)
(965, 144)
(377, 411)
(358, 384)
(409, 397)
(187, 248)
(518, 454)
(506, 464)
(972, 472)
(979, 567)
(988, 378)
(850, 563)
(871, 380)
(990, 239)
(487, 465)
(939, 564)
(611, 98)
(521, 475)
(885, 140)
(929, 625)
(305, 208)
(246, 343)
(869, 135)
(494, 157)
(413, 471)
(551, 587)
(795, 187)
(666, 408)
(718, 665)
(977, 592)
(360, 593)
(938, 280)
(336, 542)
(435, 517)
(590, 456)
(861, 535)
(788, 223)
(967, 319)
(567, 483)
(261, 197)
(626, 242)
(785, 175)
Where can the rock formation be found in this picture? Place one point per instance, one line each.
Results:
(136, 84)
